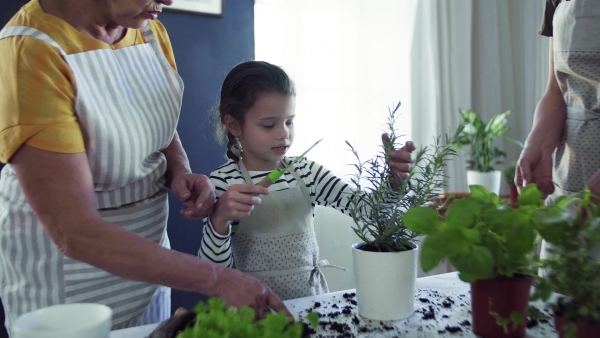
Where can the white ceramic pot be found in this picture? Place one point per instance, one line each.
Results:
(491, 180)
(75, 320)
(385, 283)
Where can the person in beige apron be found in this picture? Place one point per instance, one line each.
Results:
(277, 242)
(272, 236)
(567, 118)
(89, 225)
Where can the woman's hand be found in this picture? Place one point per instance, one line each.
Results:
(237, 202)
(594, 185)
(240, 289)
(535, 166)
(197, 193)
(400, 159)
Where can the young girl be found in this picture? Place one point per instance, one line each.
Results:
(272, 236)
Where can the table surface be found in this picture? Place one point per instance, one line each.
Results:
(432, 317)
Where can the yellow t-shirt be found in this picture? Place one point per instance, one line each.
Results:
(37, 92)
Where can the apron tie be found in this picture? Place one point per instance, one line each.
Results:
(582, 114)
(316, 271)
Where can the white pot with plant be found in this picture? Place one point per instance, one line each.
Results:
(483, 155)
(385, 262)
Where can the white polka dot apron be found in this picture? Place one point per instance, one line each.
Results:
(577, 67)
(277, 242)
(128, 103)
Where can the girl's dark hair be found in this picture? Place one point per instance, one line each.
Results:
(241, 88)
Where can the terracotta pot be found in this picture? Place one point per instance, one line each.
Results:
(583, 330)
(514, 194)
(506, 295)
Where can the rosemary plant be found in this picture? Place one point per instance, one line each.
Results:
(377, 208)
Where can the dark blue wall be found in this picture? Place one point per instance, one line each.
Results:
(205, 49)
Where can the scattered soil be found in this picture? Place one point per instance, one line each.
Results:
(339, 318)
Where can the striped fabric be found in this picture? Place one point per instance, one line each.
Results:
(128, 113)
(38, 110)
(324, 188)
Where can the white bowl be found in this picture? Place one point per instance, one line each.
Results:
(76, 320)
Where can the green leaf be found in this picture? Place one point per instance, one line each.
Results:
(215, 319)
(521, 237)
(481, 193)
(430, 256)
(530, 195)
(552, 224)
(462, 212)
(450, 241)
(478, 261)
(423, 220)
(470, 235)
(497, 125)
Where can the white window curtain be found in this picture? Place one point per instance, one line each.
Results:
(352, 59)
(484, 55)
(350, 62)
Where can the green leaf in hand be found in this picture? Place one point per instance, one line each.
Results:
(530, 195)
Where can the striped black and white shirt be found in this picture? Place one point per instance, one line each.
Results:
(324, 188)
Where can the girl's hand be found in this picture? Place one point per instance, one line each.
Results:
(237, 202)
(400, 159)
(197, 193)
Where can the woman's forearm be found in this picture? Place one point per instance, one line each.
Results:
(177, 160)
(59, 189)
(550, 114)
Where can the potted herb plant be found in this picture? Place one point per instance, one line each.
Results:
(572, 268)
(484, 154)
(492, 246)
(385, 261)
(214, 319)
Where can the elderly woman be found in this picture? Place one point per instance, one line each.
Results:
(88, 108)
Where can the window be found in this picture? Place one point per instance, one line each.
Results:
(350, 62)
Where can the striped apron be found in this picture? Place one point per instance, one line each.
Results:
(277, 243)
(577, 68)
(128, 103)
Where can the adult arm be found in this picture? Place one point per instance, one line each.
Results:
(535, 161)
(194, 190)
(59, 188)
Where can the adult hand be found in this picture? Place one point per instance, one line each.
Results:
(240, 289)
(400, 159)
(237, 202)
(197, 193)
(535, 166)
(594, 185)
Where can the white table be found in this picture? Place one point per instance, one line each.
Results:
(430, 293)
